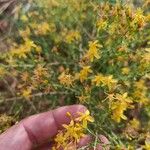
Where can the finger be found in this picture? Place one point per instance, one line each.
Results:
(104, 143)
(15, 138)
(87, 139)
(37, 128)
(103, 139)
(43, 126)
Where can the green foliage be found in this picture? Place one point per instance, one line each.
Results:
(91, 52)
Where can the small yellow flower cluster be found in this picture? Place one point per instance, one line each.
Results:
(32, 81)
(104, 47)
(139, 18)
(134, 123)
(22, 50)
(147, 146)
(83, 98)
(119, 103)
(40, 71)
(145, 60)
(24, 18)
(72, 36)
(125, 70)
(39, 29)
(101, 80)
(2, 71)
(102, 24)
(5, 122)
(43, 28)
(83, 74)
(26, 93)
(94, 51)
(86, 69)
(121, 19)
(140, 92)
(66, 79)
(72, 133)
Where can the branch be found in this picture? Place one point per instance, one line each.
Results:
(33, 96)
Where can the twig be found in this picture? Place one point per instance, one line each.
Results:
(31, 66)
(95, 142)
(32, 96)
(33, 106)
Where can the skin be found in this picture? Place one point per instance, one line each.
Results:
(36, 131)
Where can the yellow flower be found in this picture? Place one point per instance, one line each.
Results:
(101, 80)
(74, 131)
(25, 76)
(119, 104)
(98, 79)
(83, 98)
(65, 79)
(109, 81)
(69, 137)
(134, 123)
(84, 73)
(102, 25)
(26, 93)
(125, 70)
(123, 98)
(22, 50)
(146, 57)
(72, 36)
(40, 71)
(147, 146)
(61, 140)
(24, 18)
(140, 85)
(139, 18)
(93, 51)
(2, 71)
(111, 97)
(118, 111)
(140, 92)
(42, 28)
(112, 29)
(85, 118)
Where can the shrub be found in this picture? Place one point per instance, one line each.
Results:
(90, 52)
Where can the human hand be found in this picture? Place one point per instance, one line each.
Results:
(36, 131)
